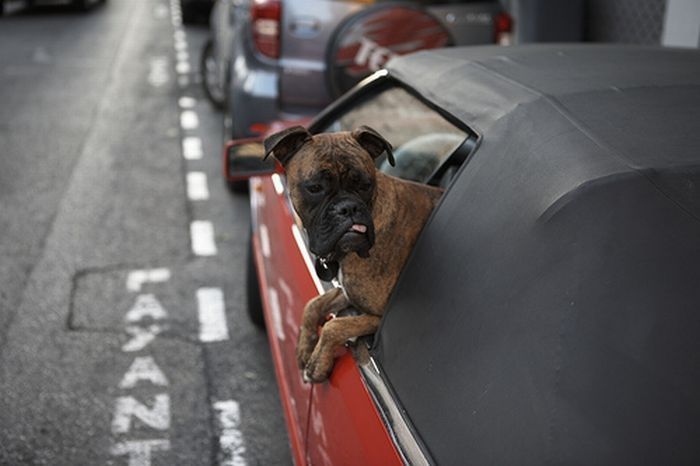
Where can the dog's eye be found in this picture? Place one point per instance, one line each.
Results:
(314, 188)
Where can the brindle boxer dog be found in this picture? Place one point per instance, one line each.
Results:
(355, 216)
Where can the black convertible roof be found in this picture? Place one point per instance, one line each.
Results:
(481, 85)
(550, 313)
(636, 108)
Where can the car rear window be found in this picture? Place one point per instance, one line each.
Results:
(422, 138)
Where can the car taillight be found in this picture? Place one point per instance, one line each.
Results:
(503, 29)
(266, 19)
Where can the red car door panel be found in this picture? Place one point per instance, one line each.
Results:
(285, 286)
(339, 424)
(345, 427)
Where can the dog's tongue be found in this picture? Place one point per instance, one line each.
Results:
(358, 228)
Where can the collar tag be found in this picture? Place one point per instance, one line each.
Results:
(326, 270)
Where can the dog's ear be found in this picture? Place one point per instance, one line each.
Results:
(374, 143)
(286, 143)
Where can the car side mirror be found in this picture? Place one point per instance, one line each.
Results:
(243, 158)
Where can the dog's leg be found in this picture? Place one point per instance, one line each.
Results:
(334, 334)
(315, 312)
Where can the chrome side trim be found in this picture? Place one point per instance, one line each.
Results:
(406, 443)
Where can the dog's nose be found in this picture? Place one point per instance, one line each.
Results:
(347, 208)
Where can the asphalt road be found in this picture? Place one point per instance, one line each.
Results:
(123, 334)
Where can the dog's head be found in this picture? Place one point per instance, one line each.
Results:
(331, 179)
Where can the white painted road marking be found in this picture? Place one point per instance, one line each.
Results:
(139, 451)
(140, 337)
(192, 148)
(187, 102)
(197, 187)
(212, 315)
(202, 234)
(183, 67)
(189, 119)
(180, 45)
(231, 439)
(146, 305)
(126, 407)
(143, 368)
(137, 278)
(158, 74)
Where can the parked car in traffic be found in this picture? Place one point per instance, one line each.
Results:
(80, 5)
(278, 59)
(549, 312)
(194, 11)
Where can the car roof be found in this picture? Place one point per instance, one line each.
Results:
(549, 312)
(617, 111)
(493, 81)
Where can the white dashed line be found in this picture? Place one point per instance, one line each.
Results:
(187, 102)
(180, 46)
(212, 315)
(231, 439)
(192, 148)
(189, 119)
(197, 188)
(183, 55)
(183, 67)
(202, 234)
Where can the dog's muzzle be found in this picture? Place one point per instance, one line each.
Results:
(343, 226)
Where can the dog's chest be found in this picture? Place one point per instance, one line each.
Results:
(359, 290)
(339, 280)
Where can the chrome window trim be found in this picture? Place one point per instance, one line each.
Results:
(406, 443)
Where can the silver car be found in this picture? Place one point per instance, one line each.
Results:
(286, 59)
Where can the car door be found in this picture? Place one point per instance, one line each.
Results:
(286, 284)
(345, 424)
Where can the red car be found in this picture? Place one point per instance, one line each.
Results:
(548, 314)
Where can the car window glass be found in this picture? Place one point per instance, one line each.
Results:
(422, 138)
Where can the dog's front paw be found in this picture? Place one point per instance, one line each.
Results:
(320, 365)
(305, 347)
